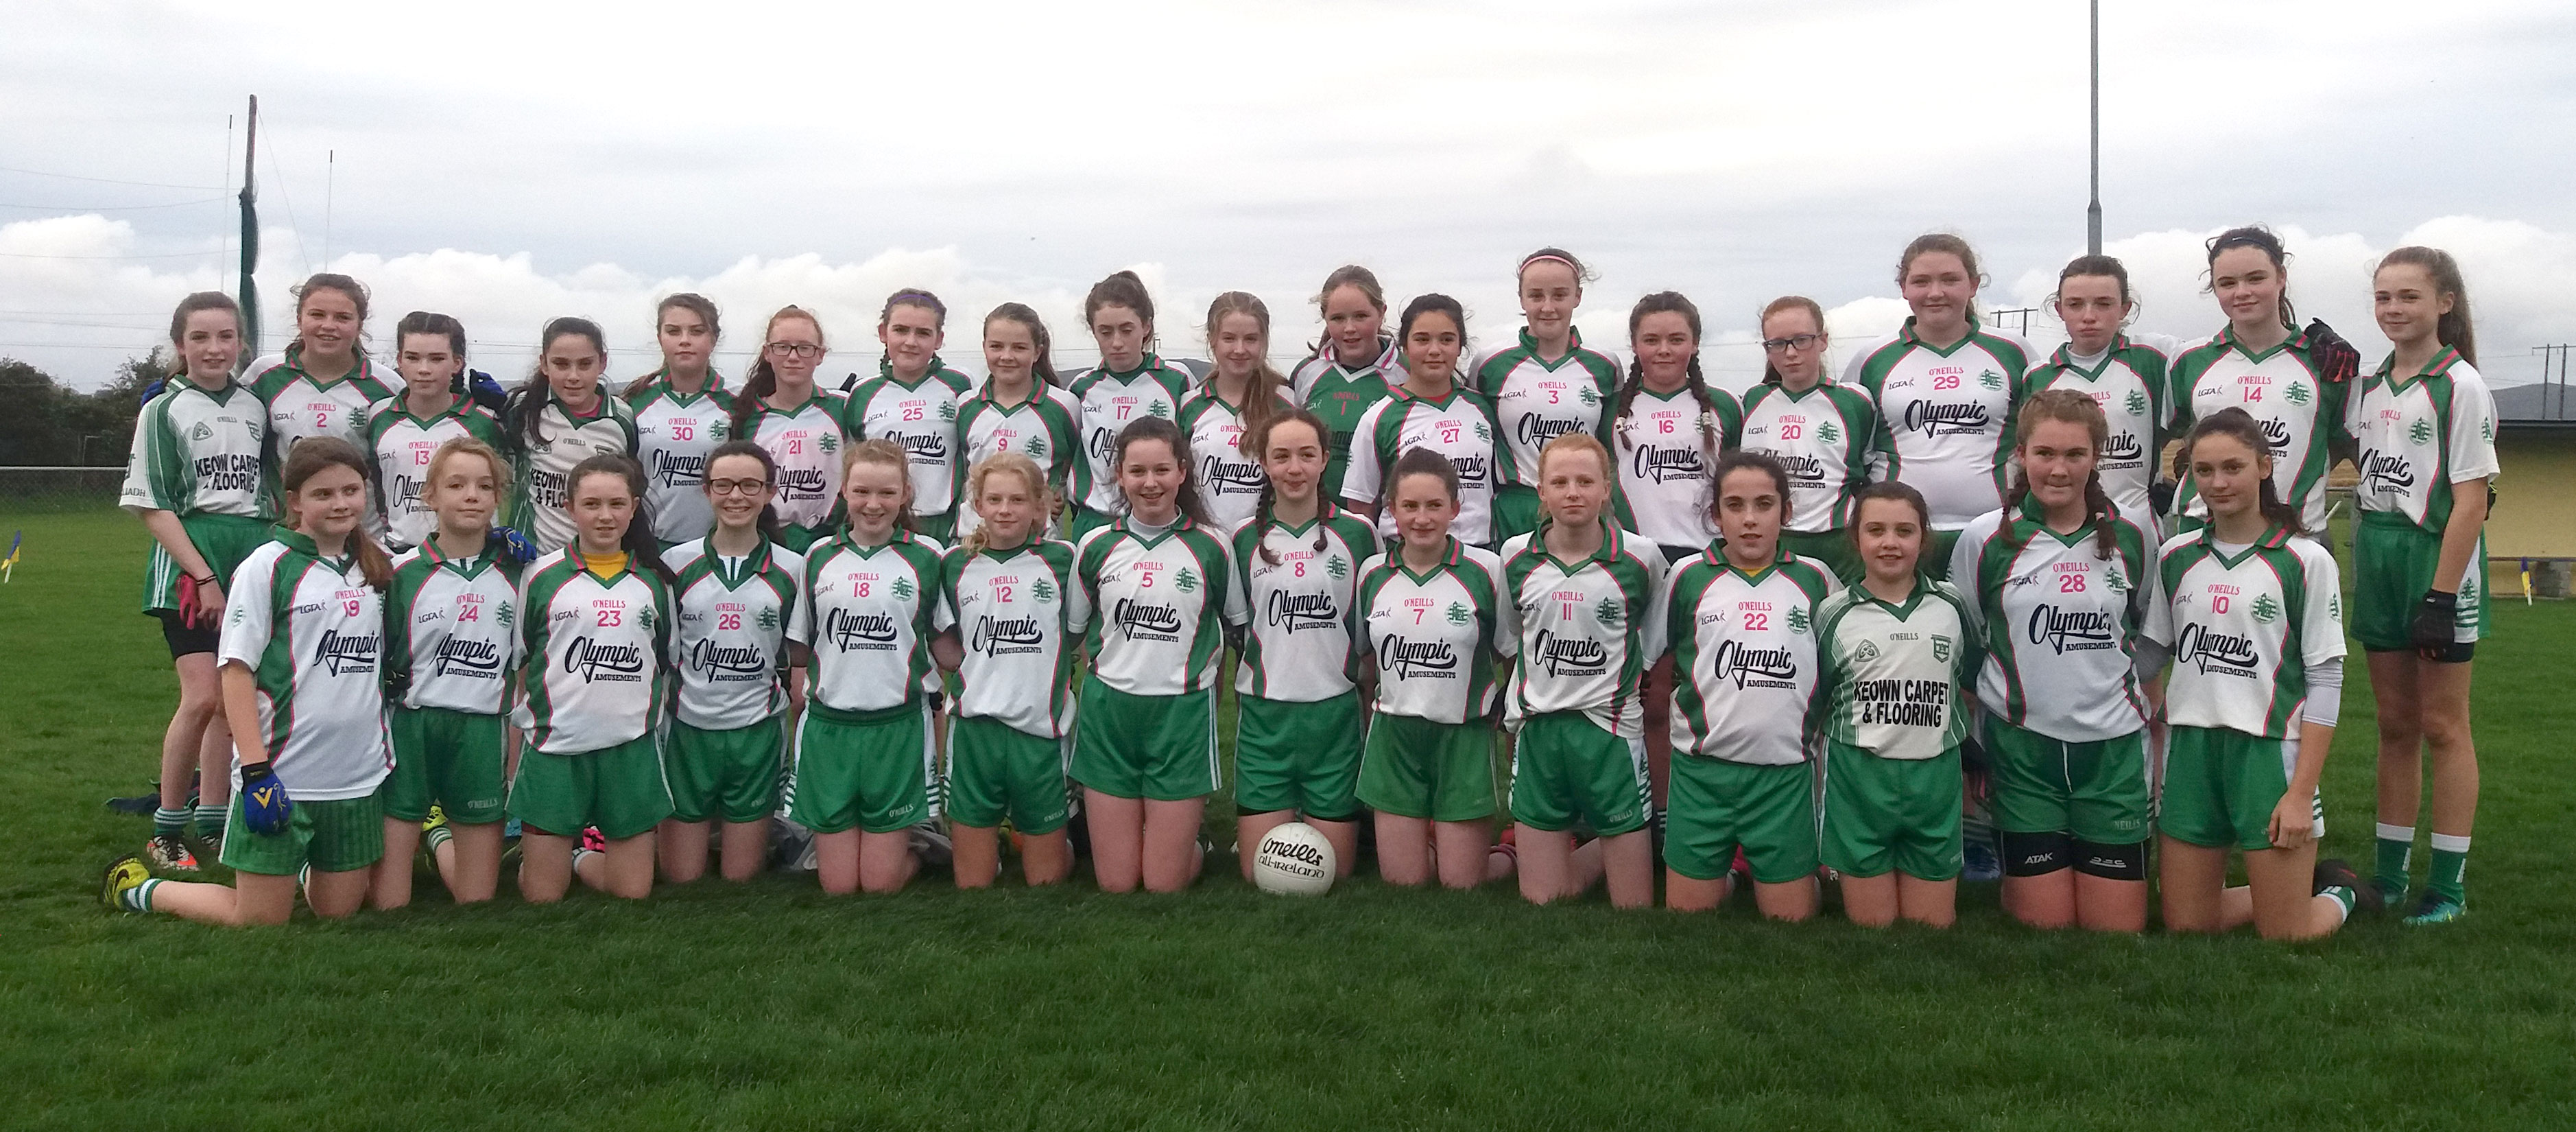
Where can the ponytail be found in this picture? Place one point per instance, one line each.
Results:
(2454, 329)
(643, 551)
(761, 379)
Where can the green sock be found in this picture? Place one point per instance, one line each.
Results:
(139, 897)
(210, 821)
(2450, 861)
(2396, 852)
(2343, 896)
(169, 821)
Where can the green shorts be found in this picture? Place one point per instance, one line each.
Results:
(222, 540)
(1832, 550)
(1516, 509)
(2094, 792)
(618, 789)
(1416, 768)
(1161, 748)
(998, 771)
(1299, 756)
(2393, 563)
(729, 774)
(1900, 814)
(800, 539)
(1713, 806)
(1084, 521)
(2221, 787)
(450, 759)
(871, 770)
(1935, 564)
(1567, 769)
(941, 527)
(338, 836)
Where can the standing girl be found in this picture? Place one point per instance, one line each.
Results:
(1818, 430)
(1430, 411)
(1544, 386)
(1436, 617)
(1741, 618)
(2058, 585)
(1128, 385)
(1241, 396)
(595, 627)
(741, 605)
(1898, 652)
(558, 420)
(402, 432)
(1349, 370)
(801, 426)
(866, 769)
(1297, 704)
(2292, 382)
(2124, 376)
(1145, 746)
(323, 382)
(913, 402)
(2426, 424)
(451, 656)
(1020, 407)
(1010, 617)
(305, 697)
(1943, 386)
(2253, 624)
(682, 413)
(1583, 591)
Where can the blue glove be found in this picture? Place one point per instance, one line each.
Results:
(485, 391)
(153, 390)
(265, 806)
(514, 546)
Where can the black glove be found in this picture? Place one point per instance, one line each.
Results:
(2160, 494)
(2434, 618)
(2337, 362)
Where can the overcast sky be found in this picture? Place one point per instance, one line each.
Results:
(511, 162)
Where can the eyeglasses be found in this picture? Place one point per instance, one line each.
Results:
(799, 350)
(737, 487)
(1792, 342)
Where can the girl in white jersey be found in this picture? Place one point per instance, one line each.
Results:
(451, 657)
(801, 426)
(1943, 386)
(1129, 385)
(1583, 592)
(1241, 396)
(1297, 702)
(682, 412)
(2126, 376)
(2292, 382)
(1351, 366)
(1821, 432)
(1010, 617)
(866, 761)
(595, 628)
(2059, 583)
(2426, 425)
(1543, 386)
(302, 633)
(2252, 621)
(323, 382)
(913, 401)
(404, 430)
(199, 482)
(1145, 749)
(559, 418)
(740, 597)
(1020, 407)
(1741, 618)
(1430, 410)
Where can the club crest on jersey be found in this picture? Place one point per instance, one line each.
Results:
(1416, 660)
(1760, 668)
(599, 663)
(1940, 648)
(856, 632)
(347, 654)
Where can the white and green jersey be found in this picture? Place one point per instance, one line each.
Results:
(1459, 426)
(1945, 417)
(1338, 395)
(595, 649)
(737, 616)
(1229, 481)
(299, 406)
(1046, 427)
(2057, 622)
(310, 630)
(1110, 402)
(1822, 436)
(199, 453)
(452, 629)
(1665, 447)
(2300, 411)
(921, 418)
(1019, 615)
(1536, 401)
(2420, 435)
(2244, 627)
(805, 443)
(1303, 643)
(1433, 636)
(2129, 382)
(1163, 603)
(1895, 675)
(674, 433)
(1587, 628)
(870, 610)
(1746, 673)
(400, 446)
(544, 465)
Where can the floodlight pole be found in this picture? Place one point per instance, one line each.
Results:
(2093, 212)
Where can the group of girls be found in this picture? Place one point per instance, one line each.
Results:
(1856, 607)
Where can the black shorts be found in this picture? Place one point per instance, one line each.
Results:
(183, 637)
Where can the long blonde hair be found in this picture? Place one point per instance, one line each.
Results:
(1261, 391)
(1008, 464)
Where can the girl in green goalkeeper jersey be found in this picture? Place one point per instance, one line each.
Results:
(1542, 386)
(1351, 366)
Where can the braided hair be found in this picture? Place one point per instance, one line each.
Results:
(2071, 407)
(1667, 302)
(1256, 442)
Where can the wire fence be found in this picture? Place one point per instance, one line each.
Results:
(58, 490)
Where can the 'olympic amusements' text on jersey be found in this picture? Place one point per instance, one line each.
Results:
(452, 629)
(1110, 402)
(199, 453)
(1944, 416)
(1822, 436)
(1459, 426)
(1587, 628)
(2301, 413)
(544, 466)
(805, 443)
(2058, 623)
(1338, 395)
(2244, 630)
(921, 418)
(595, 651)
(1744, 657)
(1665, 446)
(1229, 482)
(400, 445)
(1045, 427)
(311, 632)
(674, 433)
(1433, 636)
(1162, 605)
(870, 611)
(1304, 607)
(2131, 386)
(1895, 674)
(1019, 615)
(2421, 435)
(1536, 401)
(736, 619)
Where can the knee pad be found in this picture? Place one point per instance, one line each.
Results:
(2037, 854)
(2112, 862)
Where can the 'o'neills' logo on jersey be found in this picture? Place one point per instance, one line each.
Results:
(1535, 430)
(1221, 476)
(673, 469)
(598, 663)
(802, 483)
(1760, 668)
(1663, 465)
(228, 471)
(2385, 471)
(728, 662)
(1936, 418)
(348, 653)
(1002, 636)
(1295, 611)
(469, 658)
(859, 631)
(1571, 656)
(2215, 652)
(1416, 660)
(2072, 630)
(1145, 621)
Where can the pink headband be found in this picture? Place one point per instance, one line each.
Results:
(1545, 256)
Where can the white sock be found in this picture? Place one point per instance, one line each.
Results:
(2445, 843)
(2405, 833)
